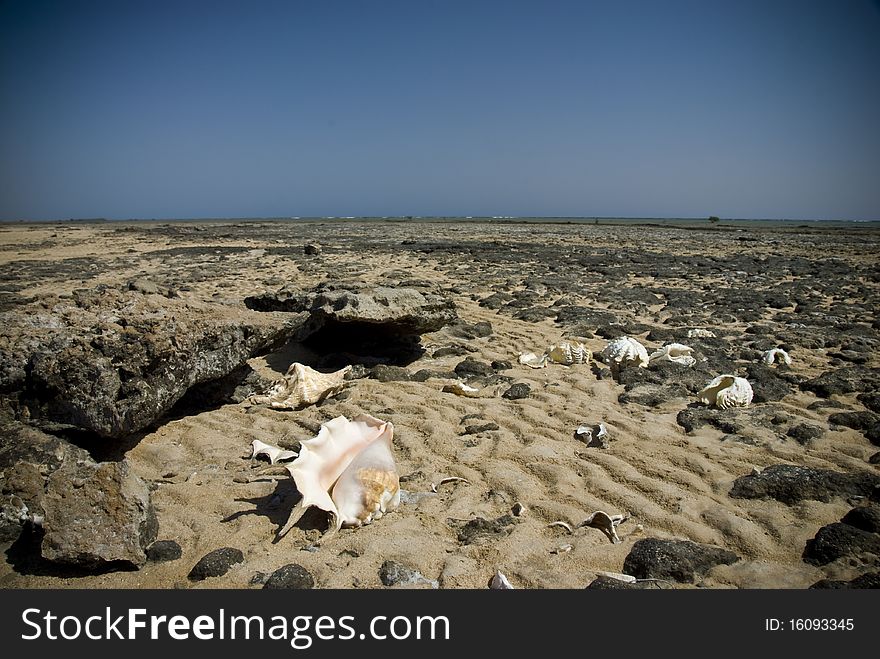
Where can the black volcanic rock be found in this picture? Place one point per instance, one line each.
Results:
(790, 484)
(215, 563)
(290, 577)
(678, 560)
(839, 540)
(845, 380)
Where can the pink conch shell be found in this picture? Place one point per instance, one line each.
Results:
(302, 385)
(347, 470)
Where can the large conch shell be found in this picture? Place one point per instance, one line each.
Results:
(625, 351)
(569, 352)
(302, 385)
(676, 353)
(776, 355)
(347, 470)
(605, 523)
(727, 391)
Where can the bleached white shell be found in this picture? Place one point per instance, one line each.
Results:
(605, 523)
(274, 453)
(532, 360)
(625, 351)
(461, 389)
(727, 391)
(302, 385)
(593, 435)
(347, 470)
(776, 355)
(569, 352)
(677, 353)
(700, 334)
(500, 582)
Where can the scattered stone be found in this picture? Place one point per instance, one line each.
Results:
(470, 367)
(870, 400)
(652, 395)
(844, 380)
(451, 351)
(163, 551)
(855, 420)
(873, 434)
(385, 373)
(767, 384)
(392, 573)
(215, 563)
(790, 484)
(476, 429)
(290, 577)
(480, 529)
(518, 509)
(517, 391)
(501, 365)
(804, 433)
(866, 518)
(604, 582)
(875, 459)
(678, 560)
(463, 330)
(95, 514)
(838, 540)
(311, 249)
(868, 580)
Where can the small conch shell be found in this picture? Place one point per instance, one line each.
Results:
(727, 391)
(677, 353)
(605, 523)
(347, 470)
(625, 351)
(500, 582)
(302, 385)
(568, 353)
(698, 333)
(776, 355)
(274, 453)
(532, 360)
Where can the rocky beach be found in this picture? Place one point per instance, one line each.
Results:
(133, 356)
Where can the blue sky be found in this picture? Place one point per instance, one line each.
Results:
(263, 109)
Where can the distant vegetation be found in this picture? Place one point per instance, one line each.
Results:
(713, 219)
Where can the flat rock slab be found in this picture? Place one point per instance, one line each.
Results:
(215, 563)
(112, 362)
(677, 560)
(480, 529)
(790, 484)
(96, 514)
(845, 380)
(392, 573)
(868, 580)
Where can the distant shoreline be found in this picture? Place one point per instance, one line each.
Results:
(702, 223)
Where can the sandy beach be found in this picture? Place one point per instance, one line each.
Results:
(669, 465)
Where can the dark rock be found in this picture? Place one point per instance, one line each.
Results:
(870, 400)
(804, 433)
(470, 331)
(148, 287)
(736, 420)
(215, 563)
(501, 365)
(452, 351)
(839, 540)
(290, 577)
(875, 458)
(162, 551)
(96, 514)
(480, 529)
(868, 580)
(866, 518)
(385, 373)
(652, 395)
(603, 582)
(476, 429)
(392, 573)
(873, 434)
(851, 356)
(678, 560)
(790, 484)
(471, 367)
(855, 420)
(113, 362)
(818, 405)
(535, 314)
(425, 374)
(844, 380)
(311, 249)
(767, 384)
(517, 391)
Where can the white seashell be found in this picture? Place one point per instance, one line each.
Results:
(700, 334)
(776, 355)
(605, 523)
(727, 391)
(532, 360)
(449, 479)
(347, 470)
(461, 389)
(562, 549)
(625, 351)
(568, 353)
(593, 435)
(626, 578)
(674, 352)
(302, 385)
(500, 582)
(274, 453)
(564, 525)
